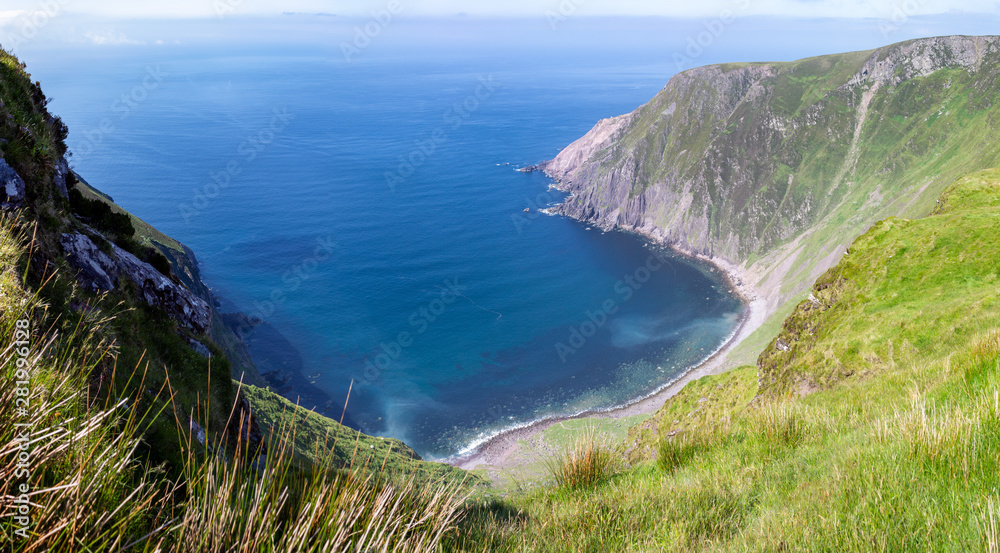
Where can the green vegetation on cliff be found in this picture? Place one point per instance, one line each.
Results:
(318, 440)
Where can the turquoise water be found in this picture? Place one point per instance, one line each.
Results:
(371, 214)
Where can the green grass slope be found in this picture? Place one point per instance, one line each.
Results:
(908, 291)
(875, 426)
(320, 440)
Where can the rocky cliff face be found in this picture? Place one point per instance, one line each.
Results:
(100, 271)
(781, 165)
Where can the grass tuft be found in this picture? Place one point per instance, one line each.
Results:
(779, 425)
(586, 462)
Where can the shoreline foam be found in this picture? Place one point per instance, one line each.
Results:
(497, 450)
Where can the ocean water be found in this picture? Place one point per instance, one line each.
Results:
(371, 213)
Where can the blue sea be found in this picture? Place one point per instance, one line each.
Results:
(370, 212)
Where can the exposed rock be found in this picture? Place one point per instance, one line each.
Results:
(198, 432)
(62, 170)
(100, 271)
(12, 185)
(179, 302)
(240, 323)
(97, 271)
(200, 348)
(579, 152)
(920, 58)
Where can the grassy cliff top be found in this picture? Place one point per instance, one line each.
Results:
(320, 440)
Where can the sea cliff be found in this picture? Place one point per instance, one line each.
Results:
(772, 169)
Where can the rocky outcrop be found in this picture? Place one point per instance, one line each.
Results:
(60, 177)
(200, 348)
(921, 58)
(578, 153)
(101, 271)
(97, 271)
(12, 186)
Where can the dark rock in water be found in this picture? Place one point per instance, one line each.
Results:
(12, 186)
(528, 169)
(100, 271)
(240, 323)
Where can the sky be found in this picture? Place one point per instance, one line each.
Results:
(502, 8)
(777, 29)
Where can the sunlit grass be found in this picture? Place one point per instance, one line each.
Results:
(586, 462)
